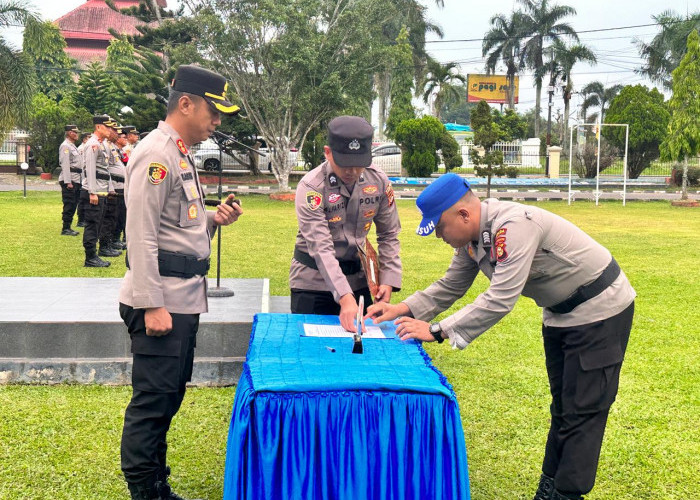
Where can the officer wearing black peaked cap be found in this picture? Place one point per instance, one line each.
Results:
(164, 289)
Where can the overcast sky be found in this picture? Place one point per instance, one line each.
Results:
(469, 19)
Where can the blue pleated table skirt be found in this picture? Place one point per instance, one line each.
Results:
(309, 425)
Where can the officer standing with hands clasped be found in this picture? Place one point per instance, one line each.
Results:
(164, 289)
(69, 160)
(588, 307)
(336, 204)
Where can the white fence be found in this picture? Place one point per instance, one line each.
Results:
(8, 148)
(518, 153)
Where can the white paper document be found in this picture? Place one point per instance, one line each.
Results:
(337, 331)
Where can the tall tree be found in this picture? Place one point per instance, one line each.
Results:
(596, 95)
(683, 139)
(647, 115)
(95, 90)
(543, 24)
(293, 64)
(412, 15)
(561, 59)
(17, 75)
(502, 43)
(663, 54)
(45, 47)
(401, 85)
(441, 85)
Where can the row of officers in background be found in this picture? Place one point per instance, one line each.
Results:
(92, 184)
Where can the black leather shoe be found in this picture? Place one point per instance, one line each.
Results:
(96, 262)
(109, 252)
(545, 488)
(69, 232)
(118, 245)
(81, 223)
(163, 487)
(556, 495)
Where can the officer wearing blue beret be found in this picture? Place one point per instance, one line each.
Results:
(587, 302)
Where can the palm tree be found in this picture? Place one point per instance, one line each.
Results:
(542, 23)
(561, 60)
(502, 43)
(664, 53)
(596, 95)
(411, 15)
(16, 71)
(440, 82)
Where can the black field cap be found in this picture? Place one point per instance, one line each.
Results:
(72, 128)
(101, 119)
(204, 83)
(350, 139)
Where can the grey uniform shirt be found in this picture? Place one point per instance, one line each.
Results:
(96, 160)
(116, 168)
(69, 157)
(166, 211)
(332, 221)
(534, 253)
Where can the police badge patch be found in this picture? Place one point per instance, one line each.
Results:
(313, 199)
(389, 191)
(500, 242)
(192, 211)
(371, 189)
(333, 197)
(332, 180)
(183, 164)
(157, 172)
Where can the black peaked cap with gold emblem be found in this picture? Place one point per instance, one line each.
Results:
(72, 128)
(350, 140)
(204, 83)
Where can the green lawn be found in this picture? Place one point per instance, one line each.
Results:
(63, 442)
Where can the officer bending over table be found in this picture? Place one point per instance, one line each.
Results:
(164, 289)
(588, 307)
(336, 204)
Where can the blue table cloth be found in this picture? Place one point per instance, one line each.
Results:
(311, 420)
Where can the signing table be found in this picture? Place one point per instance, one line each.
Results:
(311, 420)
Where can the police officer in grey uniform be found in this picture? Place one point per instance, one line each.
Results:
(165, 290)
(336, 204)
(95, 188)
(71, 169)
(117, 170)
(588, 307)
(132, 139)
(81, 202)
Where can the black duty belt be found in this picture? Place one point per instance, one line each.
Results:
(348, 267)
(117, 178)
(587, 292)
(178, 265)
(104, 177)
(76, 170)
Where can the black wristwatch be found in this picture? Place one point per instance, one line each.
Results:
(436, 332)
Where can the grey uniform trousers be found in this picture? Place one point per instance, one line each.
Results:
(161, 369)
(583, 365)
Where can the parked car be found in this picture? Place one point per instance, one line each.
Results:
(206, 157)
(387, 157)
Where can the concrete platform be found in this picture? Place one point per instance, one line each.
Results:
(55, 330)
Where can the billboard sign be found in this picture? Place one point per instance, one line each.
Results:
(491, 88)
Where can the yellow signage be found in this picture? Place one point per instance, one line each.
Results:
(491, 88)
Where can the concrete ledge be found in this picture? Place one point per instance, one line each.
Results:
(207, 372)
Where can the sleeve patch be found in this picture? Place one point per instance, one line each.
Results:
(157, 172)
(389, 191)
(313, 199)
(500, 244)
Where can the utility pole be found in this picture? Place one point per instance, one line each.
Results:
(550, 90)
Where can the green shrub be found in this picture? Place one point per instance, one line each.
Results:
(420, 139)
(512, 172)
(693, 176)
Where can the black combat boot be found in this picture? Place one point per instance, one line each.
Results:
(81, 223)
(108, 251)
(545, 488)
(67, 231)
(557, 495)
(164, 489)
(95, 261)
(144, 491)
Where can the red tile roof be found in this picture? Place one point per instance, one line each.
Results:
(92, 19)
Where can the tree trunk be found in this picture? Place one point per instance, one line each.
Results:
(280, 163)
(383, 92)
(567, 102)
(684, 183)
(538, 100)
(488, 185)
